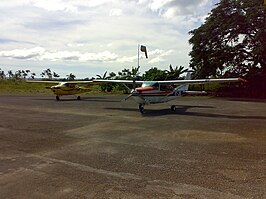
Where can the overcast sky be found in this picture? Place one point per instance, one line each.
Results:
(89, 37)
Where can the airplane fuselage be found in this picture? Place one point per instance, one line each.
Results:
(152, 93)
(64, 91)
(64, 88)
(153, 99)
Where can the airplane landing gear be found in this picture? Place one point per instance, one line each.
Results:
(141, 108)
(57, 98)
(173, 108)
(78, 98)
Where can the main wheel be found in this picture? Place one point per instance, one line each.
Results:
(141, 108)
(78, 98)
(173, 108)
(57, 98)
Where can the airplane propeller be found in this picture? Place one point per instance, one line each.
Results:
(134, 83)
(127, 97)
(133, 91)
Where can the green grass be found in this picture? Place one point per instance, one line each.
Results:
(11, 86)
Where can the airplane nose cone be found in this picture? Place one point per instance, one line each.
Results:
(147, 88)
(134, 92)
(54, 88)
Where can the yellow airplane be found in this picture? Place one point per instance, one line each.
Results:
(66, 88)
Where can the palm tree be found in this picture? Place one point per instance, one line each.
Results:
(71, 77)
(56, 75)
(47, 73)
(174, 73)
(2, 74)
(25, 73)
(135, 72)
(112, 75)
(106, 87)
(125, 74)
(33, 75)
(102, 76)
(18, 74)
(10, 74)
(129, 74)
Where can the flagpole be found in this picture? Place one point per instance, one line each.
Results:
(138, 56)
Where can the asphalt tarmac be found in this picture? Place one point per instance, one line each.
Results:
(100, 147)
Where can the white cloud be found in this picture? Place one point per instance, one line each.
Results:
(94, 3)
(40, 54)
(101, 34)
(67, 5)
(12, 3)
(174, 8)
(126, 59)
(23, 53)
(158, 55)
(54, 5)
(115, 12)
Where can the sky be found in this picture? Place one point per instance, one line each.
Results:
(89, 37)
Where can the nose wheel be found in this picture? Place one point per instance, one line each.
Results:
(173, 108)
(78, 98)
(141, 108)
(57, 98)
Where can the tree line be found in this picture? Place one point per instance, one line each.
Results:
(153, 74)
(27, 74)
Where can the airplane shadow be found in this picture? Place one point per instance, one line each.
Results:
(184, 110)
(83, 99)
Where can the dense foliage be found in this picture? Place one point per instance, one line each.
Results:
(232, 42)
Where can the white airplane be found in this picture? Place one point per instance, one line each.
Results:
(152, 92)
(66, 88)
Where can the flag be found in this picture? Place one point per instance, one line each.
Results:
(144, 49)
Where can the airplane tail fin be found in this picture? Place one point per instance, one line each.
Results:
(184, 87)
(188, 76)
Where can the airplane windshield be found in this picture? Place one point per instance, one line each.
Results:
(145, 84)
(66, 84)
(61, 83)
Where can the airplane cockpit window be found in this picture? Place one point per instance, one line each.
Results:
(145, 84)
(151, 83)
(156, 85)
(68, 85)
(71, 85)
(166, 87)
(61, 84)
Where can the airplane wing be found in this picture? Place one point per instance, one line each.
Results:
(201, 81)
(116, 81)
(79, 82)
(57, 82)
(42, 81)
